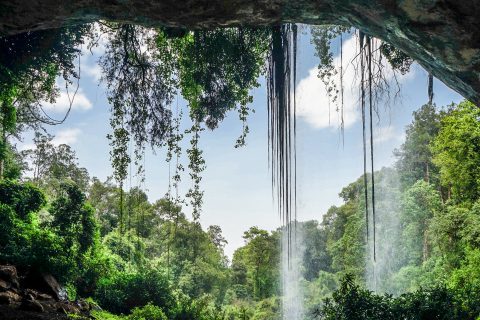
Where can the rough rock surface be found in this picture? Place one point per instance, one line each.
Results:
(34, 296)
(442, 35)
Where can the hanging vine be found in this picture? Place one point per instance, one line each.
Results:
(322, 38)
(361, 38)
(196, 166)
(430, 89)
(119, 157)
(282, 122)
(369, 57)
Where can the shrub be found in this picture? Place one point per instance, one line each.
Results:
(354, 303)
(62, 248)
(148, 312)
(124, 291)
(22, 198)
(465, 282)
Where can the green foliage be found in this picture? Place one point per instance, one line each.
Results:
(51, 165)
(218, 68)
(73, 220)
(414, 155)
(465, 282)
(148, 312)
(421, 202)
(267, 309)
(456, 151)
(23, 198)
(352, 302)
(322, 37)
(104, 315)
(397, 59)
(121, 292)
(13, 163)
(103, 197)
(64, 247)
(315, 257)
(54, 53)
(214, 71)
(29, 66)
(256, 265)
(345, 231)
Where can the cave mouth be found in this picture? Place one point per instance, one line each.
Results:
(146, 71)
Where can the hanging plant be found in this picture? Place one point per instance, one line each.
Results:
(196, 166)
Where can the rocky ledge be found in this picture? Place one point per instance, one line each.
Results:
(31, 295)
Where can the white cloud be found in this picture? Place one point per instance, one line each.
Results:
(67, 136)
(313, 101)
(26, 146)
(92, 70)
(315, 108)
(62, 103)
(383, 134)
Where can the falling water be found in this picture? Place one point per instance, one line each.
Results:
(387, 262)
(292, 258)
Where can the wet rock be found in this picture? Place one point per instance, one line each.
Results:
(9, 274)
(68, 308)
(4, 285)
(83, 305)
(44, 297)
(54, 287)
(32, 305)
(9, 297)
(39, 295)
(44, 283)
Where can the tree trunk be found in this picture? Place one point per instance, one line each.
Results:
(425, 245)
(427, 172)
(3, 156)
(442, 35)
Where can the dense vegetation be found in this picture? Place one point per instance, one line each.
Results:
(144, 259)
(164, 266)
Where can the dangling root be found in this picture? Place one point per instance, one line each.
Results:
(282, 125)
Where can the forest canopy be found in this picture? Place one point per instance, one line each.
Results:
(167, 266)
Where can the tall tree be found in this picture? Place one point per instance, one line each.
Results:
(53, 164)
(456, 152)
(414, 155)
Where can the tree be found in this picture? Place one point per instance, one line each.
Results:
(23, 198)
(456, 152)
(29, 66)
(316, 257)
(73, 220)
(104, 198)
(420, 204)
(345, 229)
(215, 234)
(352, 302)
(414, 155)
(261, 257)
(54, 164)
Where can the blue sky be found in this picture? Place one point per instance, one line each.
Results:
(237, 181)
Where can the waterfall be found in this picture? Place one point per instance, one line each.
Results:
(292, 266)
(388, 235)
